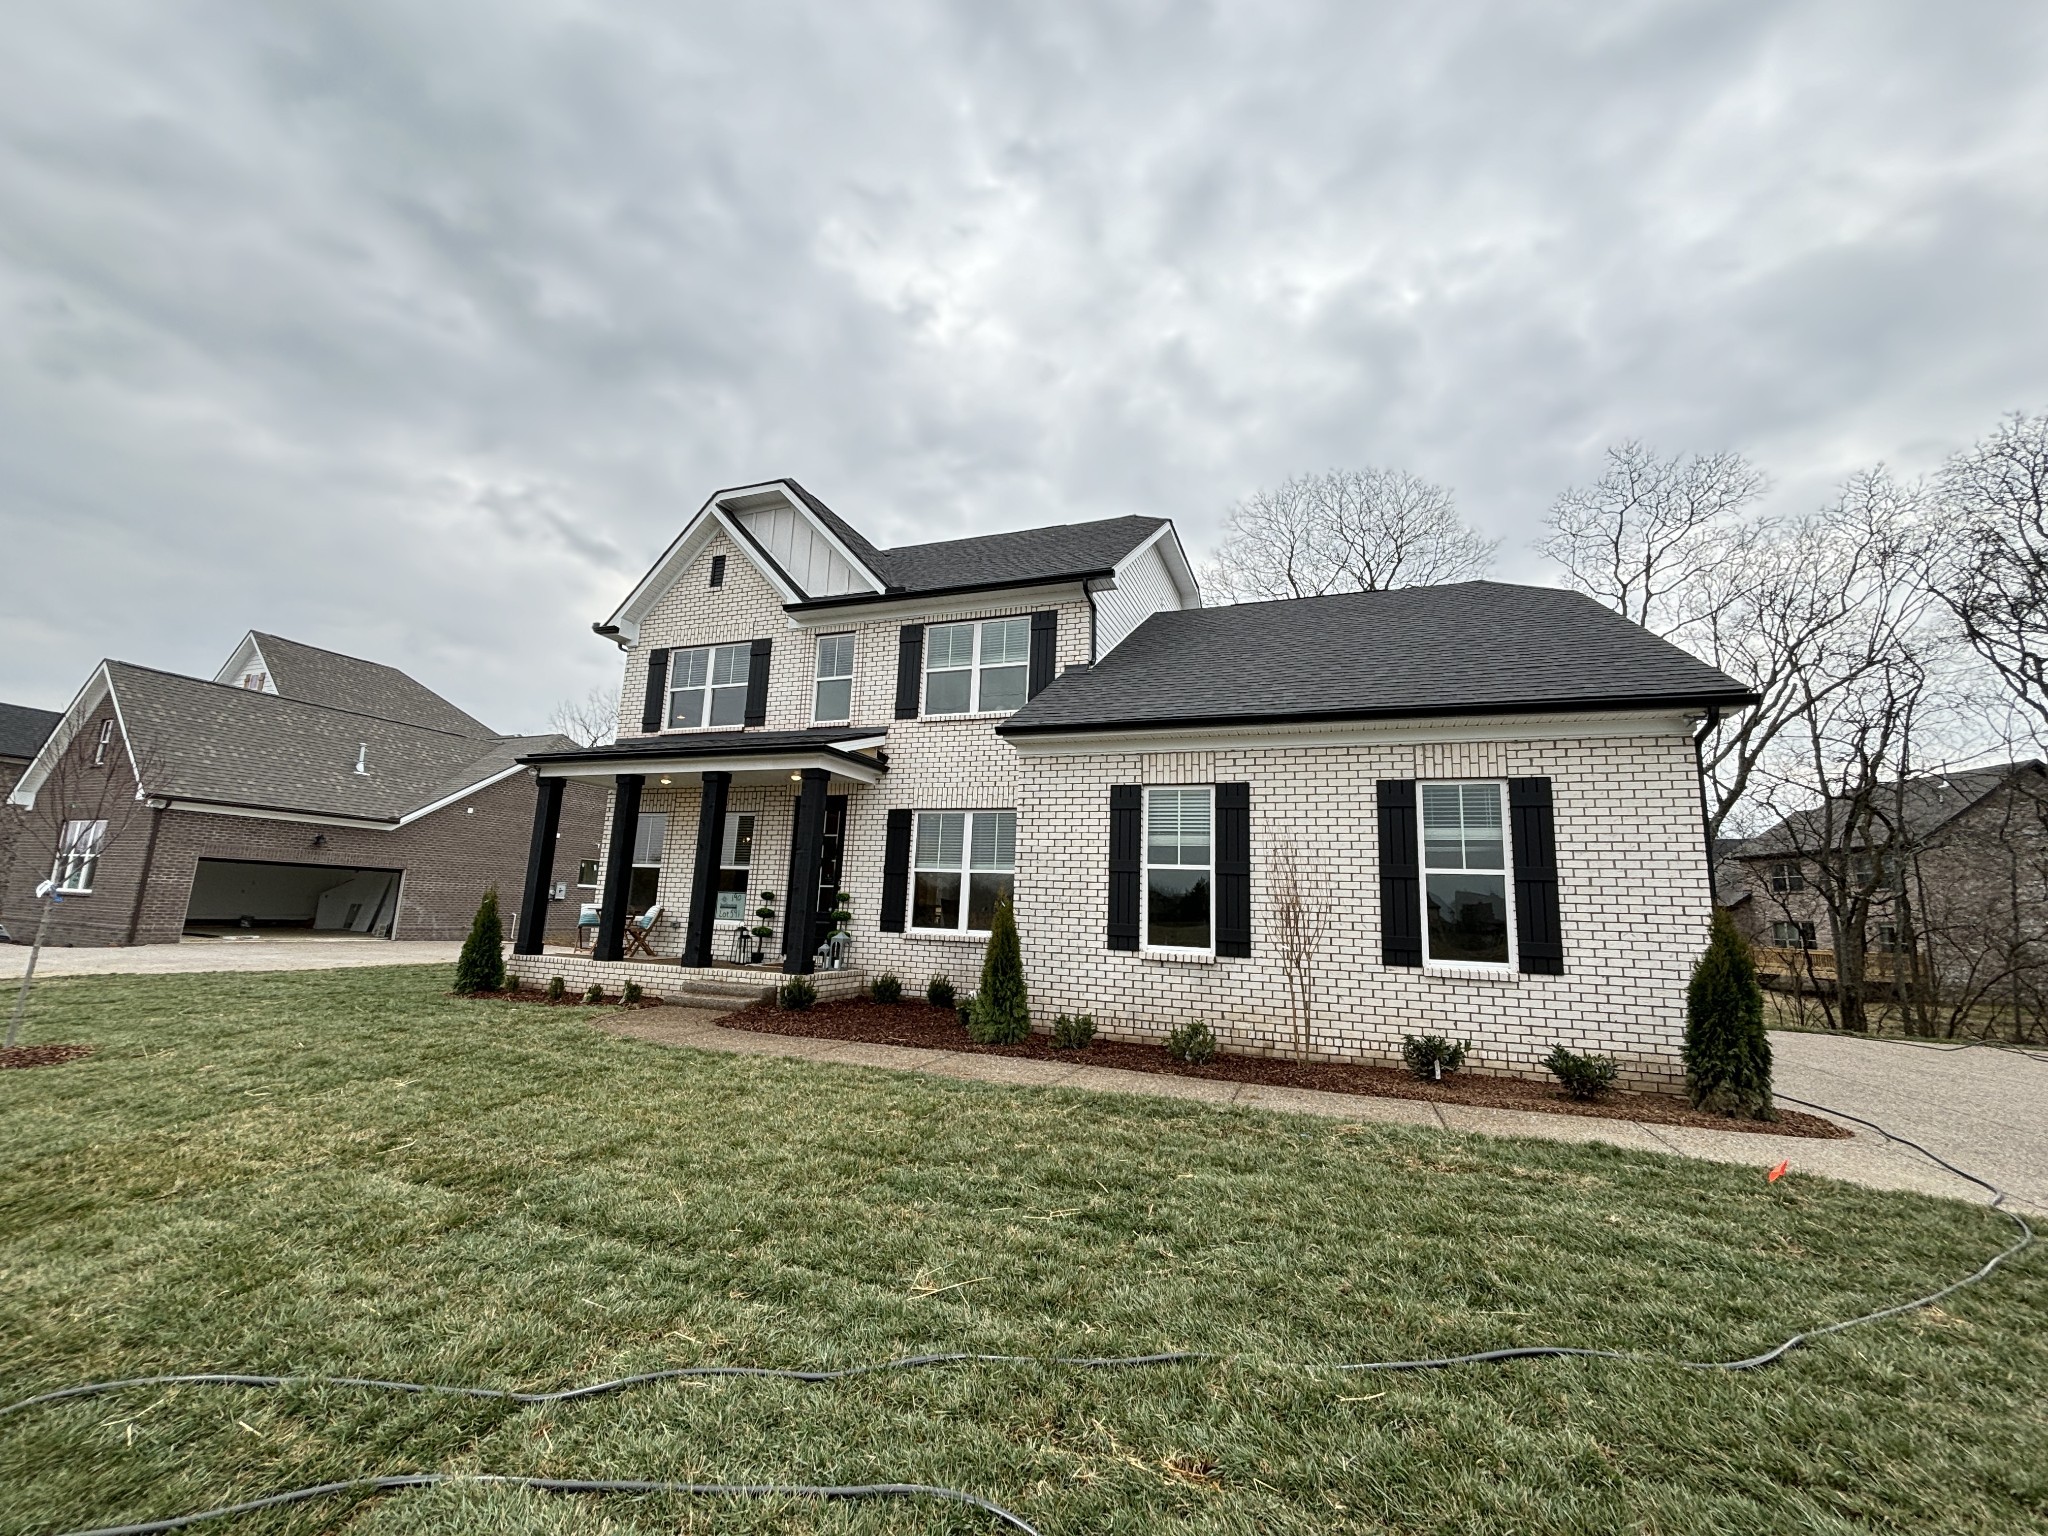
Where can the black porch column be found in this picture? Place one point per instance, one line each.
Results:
(540, 867)
(698, 940)
(806, 863)
(618, 868)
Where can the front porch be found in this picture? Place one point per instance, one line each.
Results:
(724, 987)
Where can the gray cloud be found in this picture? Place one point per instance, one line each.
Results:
(416, 330)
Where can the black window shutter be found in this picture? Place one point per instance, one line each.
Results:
(757, 683)
(1400, 875)
(909, 670)
(1045, 633)
(718, 570)
(1539, 937)
(896, 871)
(1126, 841)
(1233, 870)
(654, 708)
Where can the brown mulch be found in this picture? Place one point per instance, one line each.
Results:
(43, 1055)
(920, 1024)
(569, 999)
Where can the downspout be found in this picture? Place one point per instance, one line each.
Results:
(1699, 762)
(156, 820)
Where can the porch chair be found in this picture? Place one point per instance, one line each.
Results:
(637, 929)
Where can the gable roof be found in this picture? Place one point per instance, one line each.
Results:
(1922, 806)
(1477, 647)
(1027, 557)
(23, 730)
(316, 676)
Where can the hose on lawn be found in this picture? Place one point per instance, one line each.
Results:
(2021, 1244)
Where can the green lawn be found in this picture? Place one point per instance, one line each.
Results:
(350, 1172)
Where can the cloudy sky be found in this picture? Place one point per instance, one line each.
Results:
(417, 330)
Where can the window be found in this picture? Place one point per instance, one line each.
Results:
(735, 862)
(1788, 877)
(1866, 869)
(1792, 935)
(1465, 875)
(78, 856)
(718, 570)
(1178, 908)
(975, 669)
(976, 850)
(648, 835)
(834, 699)
(99, 751)
(716, 671)
(258, 681)
(586, 873)
(1888, 938)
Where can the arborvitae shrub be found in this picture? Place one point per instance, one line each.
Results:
(939, 992)
(797, 994)
(595, 994)
(1193, 1043)
(1071, 1033)
(1002, 1008)
(1583, 1076)
(481, 967)
(1429, 1057)
(1727, 1054)
(557, 989)
(630, 993)
(885, 989)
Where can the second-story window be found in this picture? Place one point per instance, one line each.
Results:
(1787, 876)
(833, 704)
(975, 669)
(708, 686)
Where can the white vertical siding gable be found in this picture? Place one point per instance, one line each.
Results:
(1144, 586)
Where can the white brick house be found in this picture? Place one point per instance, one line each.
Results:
(1494, 786)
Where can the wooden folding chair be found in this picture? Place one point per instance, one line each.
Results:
(637, 930)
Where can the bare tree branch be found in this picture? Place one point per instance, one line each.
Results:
(590, 721)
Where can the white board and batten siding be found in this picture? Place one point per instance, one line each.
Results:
(796, 544)
(1144, 586)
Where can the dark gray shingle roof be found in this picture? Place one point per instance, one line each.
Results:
(1919, 809)
(213, 742)
(23, 729)
(1474, 648)
(710, 744)
(367, 687)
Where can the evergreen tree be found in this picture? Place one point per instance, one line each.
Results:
(1002, 1008)
(482, 966)
(1727, 1056)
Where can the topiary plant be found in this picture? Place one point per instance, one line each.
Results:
(1429, 1057)
(1193, 1043)
(481, 967)
(1073, 1032)
(939, 992)
(797, 994)
(1727, 1054)
(557, 989)
(1583, 1076)
(1002, 1007)
(885, 989)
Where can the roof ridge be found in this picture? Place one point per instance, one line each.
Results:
(285, 698)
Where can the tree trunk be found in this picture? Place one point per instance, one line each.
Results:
(29, 975)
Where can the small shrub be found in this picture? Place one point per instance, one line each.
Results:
(1429, 1057)
(595, 994)
(939, 992)
(1193, 1043)
(1073, 1033)
(1583, 1076)
(886, 989)
(557, 989)
(1002, 1011)
(481, 967)
(630, 993)
(797, 994)
(1727, 1056)
(965, 1010)
(511, 985)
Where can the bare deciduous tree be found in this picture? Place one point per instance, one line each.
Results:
(590, 721)
(1301, 918)
(1355, 530)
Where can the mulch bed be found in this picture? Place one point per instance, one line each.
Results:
(43, 1055)
(920, 1024)
(569, 999)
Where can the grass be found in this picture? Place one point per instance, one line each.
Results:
(1802, 1013)
(351, 1172)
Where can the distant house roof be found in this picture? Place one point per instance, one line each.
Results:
(1028, 557)
(1478, 647)
(23, 730)
(1917, 810)
(316, 676)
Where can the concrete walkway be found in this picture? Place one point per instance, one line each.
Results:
(2010, 1145)
(252, 954)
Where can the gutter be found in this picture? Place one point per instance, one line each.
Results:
(1714, 703)
(906, 594)
(1699, 762)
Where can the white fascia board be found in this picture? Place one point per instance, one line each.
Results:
(782, 489)
(1406, 732)
(238, 662)
(767, 762)
(1177, 566)
(461, 794)
(88, 698)
(256, 813)
(940, 607)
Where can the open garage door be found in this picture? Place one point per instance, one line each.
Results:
(245, 893)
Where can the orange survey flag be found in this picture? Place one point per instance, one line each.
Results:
(1778, 1172)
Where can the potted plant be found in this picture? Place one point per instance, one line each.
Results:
(765, 928)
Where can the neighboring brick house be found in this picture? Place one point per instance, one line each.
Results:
(23, 731)
(1492, 786)
(296, 789)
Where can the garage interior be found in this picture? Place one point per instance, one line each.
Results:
(236, 895)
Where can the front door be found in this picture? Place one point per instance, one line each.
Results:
(829, 866)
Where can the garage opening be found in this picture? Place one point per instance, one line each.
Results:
(235, 895)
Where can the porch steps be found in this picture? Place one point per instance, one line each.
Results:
(721, 987)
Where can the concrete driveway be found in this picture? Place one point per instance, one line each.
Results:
(252, 954)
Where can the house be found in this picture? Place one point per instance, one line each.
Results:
(23, 730)
(295, 789)
(1493, 787)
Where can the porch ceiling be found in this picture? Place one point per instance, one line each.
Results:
(759, 757)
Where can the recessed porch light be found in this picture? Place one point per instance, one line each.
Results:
(666, 779)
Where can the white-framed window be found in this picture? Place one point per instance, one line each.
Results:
(649, 833)
(1793, 935)
(1786, 875)
(707, 685)
(956, 854)
(832, 700)
(1180, 901)
(78, 856)
(104, 744)
(1466, 893)
(735, 864)
(586, 874)
(977, 669)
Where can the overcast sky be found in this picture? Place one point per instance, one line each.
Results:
(417, 330)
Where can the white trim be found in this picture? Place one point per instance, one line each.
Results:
(669, 690)
(965, 869)
(768, 762)
(1401, 731)
(944, 607)
(974, 668)
(1145, 945)
(1485, 969)
(461, 794)
(1177, 566)
(309, 818)
(237, 665)
(97, 688)
(852, 677)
